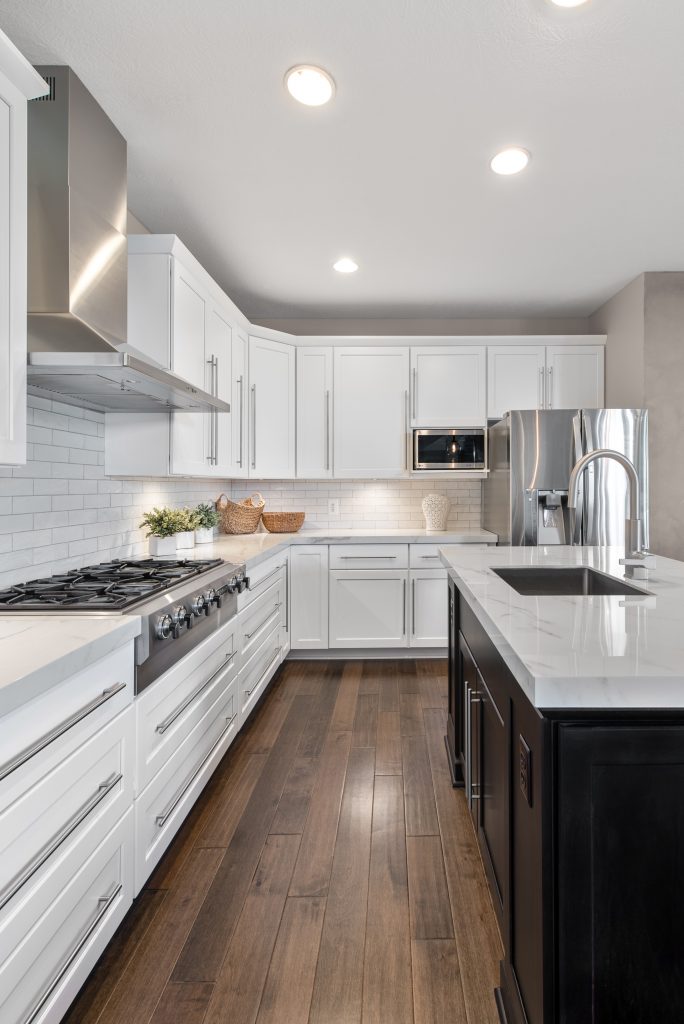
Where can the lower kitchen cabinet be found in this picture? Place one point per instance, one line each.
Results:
(368, 608)
(309, 596)
(428, 594)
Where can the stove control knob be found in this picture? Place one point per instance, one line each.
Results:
(198, 604)
(209, 599)
(232, 585)
(180, 617)
(163, 627)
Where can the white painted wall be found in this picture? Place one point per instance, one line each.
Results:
(622, 320)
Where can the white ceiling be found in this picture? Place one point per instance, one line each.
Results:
(394, 172)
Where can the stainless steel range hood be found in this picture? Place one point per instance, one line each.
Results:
(78, 263)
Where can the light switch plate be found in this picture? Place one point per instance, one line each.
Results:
(334, 508)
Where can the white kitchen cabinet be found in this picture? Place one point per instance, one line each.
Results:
(515, 378)
(370, 414)
(428, 613)
(449, 386)
(271, 409)
(309, 596)
(368, 607)
(314, 413)
(574, 376)
(238, 402)
(18, 83)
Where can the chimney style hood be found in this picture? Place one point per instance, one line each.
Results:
(78, 263)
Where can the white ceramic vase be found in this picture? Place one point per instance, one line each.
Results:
(435, 509)
(162, 547)
(185, 539)
(204, 535)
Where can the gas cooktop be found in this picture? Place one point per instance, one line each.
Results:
(109, 586)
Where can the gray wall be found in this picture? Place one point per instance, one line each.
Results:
(622, 320)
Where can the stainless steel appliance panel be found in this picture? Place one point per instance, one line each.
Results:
(605, 498)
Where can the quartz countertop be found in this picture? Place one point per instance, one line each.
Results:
(580, 652)
(253, 548)
(39, 651)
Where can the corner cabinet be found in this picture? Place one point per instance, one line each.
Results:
(271, 404)
(18, 83)
(371, 412)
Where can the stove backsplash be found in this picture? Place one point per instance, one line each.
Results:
(60, 512)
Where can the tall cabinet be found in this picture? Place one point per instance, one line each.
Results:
(18, 83)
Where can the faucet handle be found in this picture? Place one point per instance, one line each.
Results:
(638, 564)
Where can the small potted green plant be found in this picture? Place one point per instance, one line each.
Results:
(162, 526)
(185, 535)
(206, 518)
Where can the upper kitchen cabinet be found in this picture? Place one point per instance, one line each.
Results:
(544, 377)
(516, 378)
(449, 386)
(271, 409)
(574, 376)
(371, 414)
(314, 412)
(18, 83)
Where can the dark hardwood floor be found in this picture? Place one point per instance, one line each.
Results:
(329, 873)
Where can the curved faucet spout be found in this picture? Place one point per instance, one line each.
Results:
(633, 541)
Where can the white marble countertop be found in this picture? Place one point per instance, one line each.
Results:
(256, 547)
(38, 651)
(581, 652)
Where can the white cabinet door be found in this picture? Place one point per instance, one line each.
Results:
(13, 258)
(238, 402)
(515, 378)
(368, 607)
(309, 597)
(190, 452)
(219, 425)
(448, 386)
(370, 414)
(272, 409)
(314, 412)
(428, 608)
(574, 376)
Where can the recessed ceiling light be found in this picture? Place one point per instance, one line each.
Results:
(309, 85)
(345, 265)
(568, 3)
(510, 161)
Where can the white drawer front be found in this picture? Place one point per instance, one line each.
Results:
(262, 577)
(92, 787)
(424, 556)
(170, 709)
(262, 615)
(42, 733)
(50, 946)
(259, 670)
(162, 806)
(369, 556)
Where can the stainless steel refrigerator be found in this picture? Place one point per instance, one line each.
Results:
(531, 453)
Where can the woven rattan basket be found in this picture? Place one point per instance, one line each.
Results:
(283, 522)
(239, 516)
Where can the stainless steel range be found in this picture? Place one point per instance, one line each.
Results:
(180, 602)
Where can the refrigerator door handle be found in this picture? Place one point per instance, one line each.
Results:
(578, 447)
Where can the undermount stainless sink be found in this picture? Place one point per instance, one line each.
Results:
(551, 581)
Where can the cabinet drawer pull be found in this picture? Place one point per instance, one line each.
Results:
(104, 903)
(413, 607)
(429, 556)
(60, 837)
(255, 586)
(59, 730)
(377, 558)
(248, 636)
(248, 693)
(162, 818)
(171, 718)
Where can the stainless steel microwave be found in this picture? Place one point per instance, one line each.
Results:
(450, 450)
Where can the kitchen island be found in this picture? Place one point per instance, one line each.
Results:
(566, 729)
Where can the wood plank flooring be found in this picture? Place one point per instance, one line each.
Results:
(328, 874)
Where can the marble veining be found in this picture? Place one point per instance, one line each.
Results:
(584, 652)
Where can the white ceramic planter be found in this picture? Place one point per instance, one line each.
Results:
(162, 547)
(185, 539)
(204, 535)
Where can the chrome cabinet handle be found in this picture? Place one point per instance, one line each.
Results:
(415, 386)
(104, 903)
(216, 415)
(413, 607)
(378, 558)
(248, 636)
(403, 597)
(240, 384)
(327, 430)
(248, 693)
(429, 556)
(540, 389)
(53, 844)
(162, 818)
(406, 429)
(270, 575)
(550, 397)
(59, 730)
(211, 459)
(253, 390)
(171, 718)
